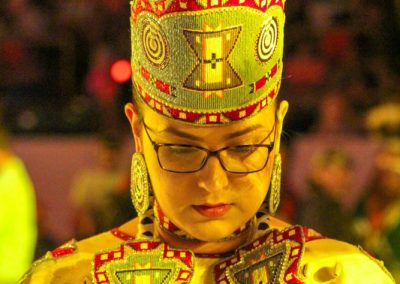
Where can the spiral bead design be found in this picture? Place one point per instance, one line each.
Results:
(155, 44)
(267, 40)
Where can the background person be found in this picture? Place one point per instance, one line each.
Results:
(329, 183)
(18, 229)
(100, 195)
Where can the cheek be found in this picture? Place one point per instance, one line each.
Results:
(158, 182)
(253, 190)
(264, 180)
(170, 189)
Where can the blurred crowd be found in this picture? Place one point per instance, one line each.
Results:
(342, 153)
(348, 49)
(342, 140)
(54, 63)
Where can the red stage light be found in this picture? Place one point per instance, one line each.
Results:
(121, 71)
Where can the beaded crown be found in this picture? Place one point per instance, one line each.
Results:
(207, 62)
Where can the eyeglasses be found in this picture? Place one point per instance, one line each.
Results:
(239, 159)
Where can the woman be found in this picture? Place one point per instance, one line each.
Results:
(207, 135)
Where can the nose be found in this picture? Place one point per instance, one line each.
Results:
(212, 177)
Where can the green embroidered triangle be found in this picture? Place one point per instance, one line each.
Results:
(262, 272)
(153, 275)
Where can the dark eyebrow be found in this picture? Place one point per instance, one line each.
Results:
(243, 131)
(235, 134)
(182, 134)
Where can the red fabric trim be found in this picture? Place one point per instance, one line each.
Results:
(192, 5)
(62, 251)
(116, 232)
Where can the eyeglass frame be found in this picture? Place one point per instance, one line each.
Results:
(215, 153)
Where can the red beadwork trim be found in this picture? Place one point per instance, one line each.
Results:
(163, 87)
(101, 259)
(210, 118)
(108, 256)
(297, 235)
(184, 115)
(191, 5)
(294, 234)
(162, 219)
(311, 235)
(241, 113)
(184, 256)
(116, 232)
(213, 118)
(150, 245)
(184, 275)
(273, 71)
(159, 106)
(272, 94)
(101, 278)
(262, 82)
(62, 251)
(160, 85)
(145, 74)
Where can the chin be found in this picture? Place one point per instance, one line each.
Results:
(211, 232)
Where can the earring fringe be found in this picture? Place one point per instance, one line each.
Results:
(274, 194)
(140, 185)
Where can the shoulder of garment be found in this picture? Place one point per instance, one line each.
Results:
(327, 260)
(323, 261)
(73, 261)
(332, 261)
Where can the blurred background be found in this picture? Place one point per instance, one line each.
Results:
(64, 81)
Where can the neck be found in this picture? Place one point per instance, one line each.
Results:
(203, 247)
(179, 238)
(150, 227)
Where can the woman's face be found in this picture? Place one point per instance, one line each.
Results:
(211, 203)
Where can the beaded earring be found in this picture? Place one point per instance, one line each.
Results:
(274, 194)
(140, 186)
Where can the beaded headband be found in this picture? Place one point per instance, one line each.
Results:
(207, 62)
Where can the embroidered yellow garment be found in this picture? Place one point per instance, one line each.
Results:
(324, 261)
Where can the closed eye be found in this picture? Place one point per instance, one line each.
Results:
(179, 149)
(243, 149)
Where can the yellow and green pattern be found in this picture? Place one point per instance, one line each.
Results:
(207, 61)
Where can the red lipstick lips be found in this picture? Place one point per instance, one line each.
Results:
(212, 210)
